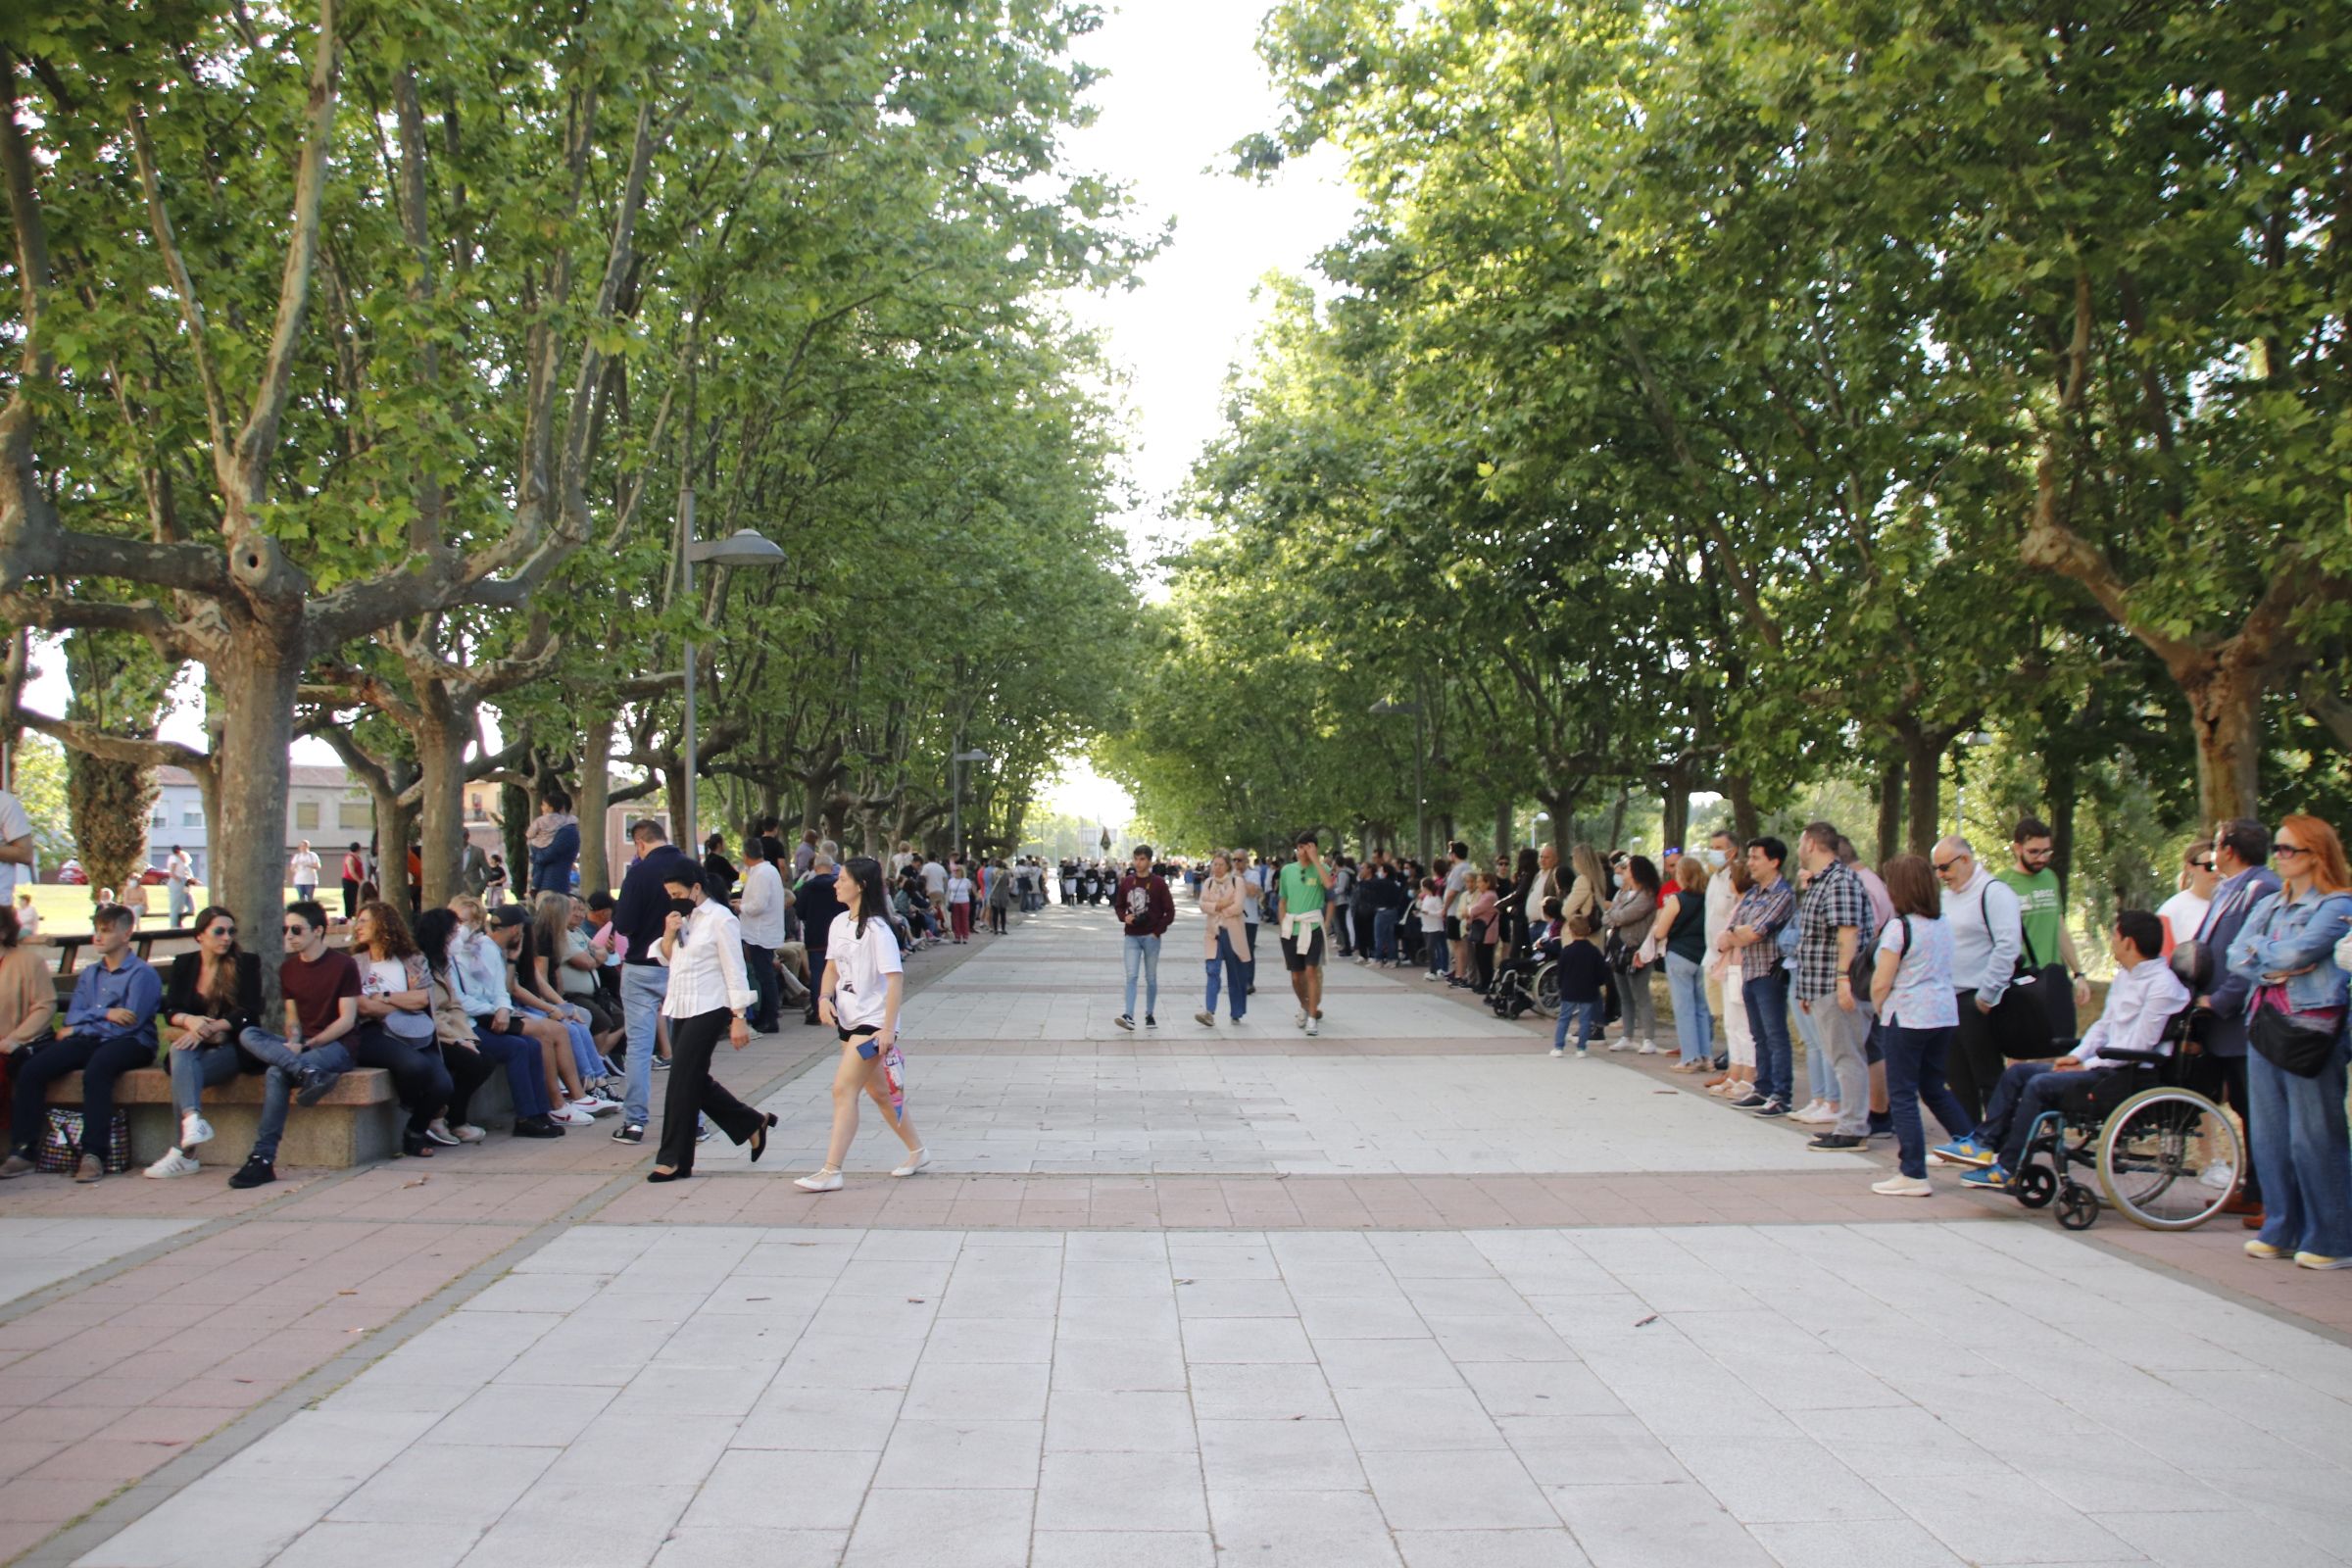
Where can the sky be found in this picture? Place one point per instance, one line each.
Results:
(1183, 84)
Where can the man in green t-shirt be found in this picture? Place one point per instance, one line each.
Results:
(2042, 908)
(1301, 892)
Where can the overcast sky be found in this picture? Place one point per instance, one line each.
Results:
(1185, 84)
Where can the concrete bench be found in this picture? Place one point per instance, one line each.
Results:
(357, 1121)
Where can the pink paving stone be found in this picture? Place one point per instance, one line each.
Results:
(54, 1501)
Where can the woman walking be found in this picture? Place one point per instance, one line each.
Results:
(859, 995)
(210, 997)
(1226, 938)
(709, 991)
(1681, 933)
(2295, 1021)
(1918, 1017)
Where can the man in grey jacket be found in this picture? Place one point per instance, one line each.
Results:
(1988, 934)
(2241, 851)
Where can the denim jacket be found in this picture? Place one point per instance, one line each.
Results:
(2301, 935)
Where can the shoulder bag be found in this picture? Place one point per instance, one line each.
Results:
(2020, 1023)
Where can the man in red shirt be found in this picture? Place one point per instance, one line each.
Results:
(1145, 910)
(322, 987)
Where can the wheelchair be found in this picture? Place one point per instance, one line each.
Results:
(2149, 1141)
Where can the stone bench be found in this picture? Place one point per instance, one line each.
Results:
(358, 1120)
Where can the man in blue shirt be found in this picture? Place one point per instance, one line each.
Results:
(108, 1028)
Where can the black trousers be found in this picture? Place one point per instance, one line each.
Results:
(418, 1078)
(2222, 1080)
(467, 1072)
(1974, 1065)
(694, 1092)
(817, 979)
(350, 898)
(761, 965)
(99, 1061)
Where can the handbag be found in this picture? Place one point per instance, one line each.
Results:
(60, 1152)
(2291, 1041)
(2020, 1025)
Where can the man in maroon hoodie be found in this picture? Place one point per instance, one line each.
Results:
(1145, 910)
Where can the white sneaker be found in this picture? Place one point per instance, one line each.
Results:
(824, 1181)
(1621, 1045)
(1431, 974)
(572, 1116)
(1557, 1052)
(1314, 1026)
(173, 1163)
(2220, 1178)
(469, 1134)
(1900, 1185)
(1298, 1017)
(438, 1131)
(1208, 1020)
(596, 1105)
(194, 1129)
(915, 1162)
(1646, 1048)
(1815, 1114)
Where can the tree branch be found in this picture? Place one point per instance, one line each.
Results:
(191, 313)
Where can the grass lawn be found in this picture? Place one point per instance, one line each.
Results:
(65, 912)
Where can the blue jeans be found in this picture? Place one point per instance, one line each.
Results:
(1585, 1015)
(288, 1067)
(642, 988)
(1767, 999)
(1693, 1024)
(1383, 935)
(1229, 962)
(1915, 1076)
(1440, 959)
(204, 1067)
(2300, 1150)
(525, 1067)
(1142, 952)
(1820, 1082)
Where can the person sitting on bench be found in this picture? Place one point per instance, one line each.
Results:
(2143, 999)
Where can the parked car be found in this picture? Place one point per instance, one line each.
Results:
(72, 875)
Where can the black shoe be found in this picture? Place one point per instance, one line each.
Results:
(1838, 1143)
(1749, 1102)
(1151, 1022)
(1775, 1106)
(1124, 1021)
(415, 1145)
(537, 1127)
(316, 1086)
(759, 1138)
(631, 1134)
(1723, 1061)
(1882, 1125)
(255, 1172)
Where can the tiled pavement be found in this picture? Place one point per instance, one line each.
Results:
(1407, 1293)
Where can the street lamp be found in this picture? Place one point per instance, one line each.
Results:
(956, 799)
(743, 547)
(1381, 709)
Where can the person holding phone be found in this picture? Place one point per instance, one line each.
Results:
(859, 995)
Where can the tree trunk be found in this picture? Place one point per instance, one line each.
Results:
(1675, 819)
(257, 685)
(1502, 830)
(1741, 791)
(1922, 761)
(514, 808)
(1617, 821)
(595, 803)
(1891, 809)
(442, 736)
(2060, 775)
(2225, 710)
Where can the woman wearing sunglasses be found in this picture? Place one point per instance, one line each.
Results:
(210, 997)
(2287, 952)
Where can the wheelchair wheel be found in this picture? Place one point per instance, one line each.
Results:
(2154, 1150)
(2036, 1186)
(2077, 1207)
(1545, 990)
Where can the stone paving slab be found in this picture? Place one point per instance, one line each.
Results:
(1745, 1393)
(38, 1253)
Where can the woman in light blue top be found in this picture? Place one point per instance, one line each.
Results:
(1919, 1018)
(2287, 952)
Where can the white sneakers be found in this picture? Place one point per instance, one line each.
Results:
(1621, 1044)
(823, 1181)
(1208, 1020)
(1557, 1052)
(1299, 1017)
(915, 1162)
(1648, 1048)
(1314, 1026)
(173, 1163)
(1900, 1185)
(572, 1116)
(194, 1129)
(596, 1105)
(1817, 1114)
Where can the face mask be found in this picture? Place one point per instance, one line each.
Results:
(1715, 859)
(684, 906)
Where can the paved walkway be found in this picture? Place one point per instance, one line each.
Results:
(1410, 1293)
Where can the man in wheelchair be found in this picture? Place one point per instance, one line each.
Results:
(2143, 999)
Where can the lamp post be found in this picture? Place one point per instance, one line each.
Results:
(1383, 708)
(955, 762)
(745, 547)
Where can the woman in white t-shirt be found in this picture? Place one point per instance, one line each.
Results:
(959, 902)
(859, 994)
(2183, 914)
(1919, 1018)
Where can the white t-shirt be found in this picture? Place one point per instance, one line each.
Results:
(306, 869)
(1433, 911)
(14, 825)
(861, 993)
(2183, 916)
(959, 890)
(1922, 997)
(935, 880)
(177, 869)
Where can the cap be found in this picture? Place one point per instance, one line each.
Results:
(508, 915)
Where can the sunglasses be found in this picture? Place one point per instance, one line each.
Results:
(296, 930)
(2204, 866)
(1943, 866)
(220, 931)
(2288, 849)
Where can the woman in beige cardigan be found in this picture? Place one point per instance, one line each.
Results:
(1226, 943)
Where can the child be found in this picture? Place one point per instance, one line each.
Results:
(1432, 908)
(29, 918)
(1582, 971)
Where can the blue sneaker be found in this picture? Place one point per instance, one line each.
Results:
(1968, 1151)
(1991, 1179)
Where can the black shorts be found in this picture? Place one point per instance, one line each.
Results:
(864, 1035)
(1454, 928)
(1296, 961)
